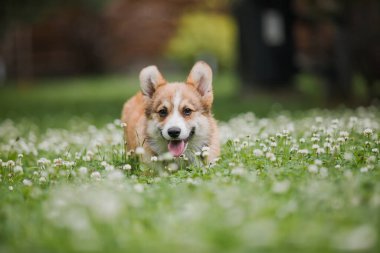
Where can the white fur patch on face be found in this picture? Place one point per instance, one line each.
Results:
(176, 120)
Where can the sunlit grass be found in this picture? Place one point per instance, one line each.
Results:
(309, 183)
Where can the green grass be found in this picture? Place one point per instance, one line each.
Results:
(99, 99)
(287, 182)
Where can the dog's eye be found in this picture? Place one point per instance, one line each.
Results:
(163, 112)
(187, 111)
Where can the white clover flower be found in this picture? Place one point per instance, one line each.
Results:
(315, 146)
(302, 140)
(231, 164)
(109, 167)
(127, 167)
(58, 161)
(375, 150)
(258, 152)
(315, 139)
(172, 167)
(236, 140)
(364, 169)
(18, 169)
(294, 148)
(83, 170)
(348, 156)
(313, 168)
(10, 164)
(337, 166)
(281, 186)
(20, 156)
(115, 175)
(154, 159)
(168, 156)
(368, 131)
(238, 171)
(205, 154)
(198, 153)
(371, 159)
(96, 175)
(10, 188)
(205, 148)
(273, 144)
(27, 182)
(270, 156)
(320, 151)
(317, 162)
(341, 139)
(344, 134)
(138, 187)
(104, 163)
(43, 161)
(140, 151)
(42, 180)
(303, 151)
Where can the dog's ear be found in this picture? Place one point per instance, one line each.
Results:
(150, 79)
(201, 78)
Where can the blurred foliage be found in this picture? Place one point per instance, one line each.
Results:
(26, 11)
(204, 35)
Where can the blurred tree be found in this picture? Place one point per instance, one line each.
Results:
(207, 36)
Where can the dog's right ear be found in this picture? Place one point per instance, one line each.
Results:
(150, 79)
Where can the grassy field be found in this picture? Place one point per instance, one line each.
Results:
(299, 181)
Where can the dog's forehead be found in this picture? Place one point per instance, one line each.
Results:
(174, 93)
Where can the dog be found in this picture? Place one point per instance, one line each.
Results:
(173, 118)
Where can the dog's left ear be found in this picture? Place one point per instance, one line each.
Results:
(201, 78)
(150, 79)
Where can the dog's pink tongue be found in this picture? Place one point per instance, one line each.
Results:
(176, 148)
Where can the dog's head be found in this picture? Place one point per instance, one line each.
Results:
(178, 113)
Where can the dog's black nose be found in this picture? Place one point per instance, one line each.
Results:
(174, 132)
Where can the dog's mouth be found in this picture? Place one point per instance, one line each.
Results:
(178, 147)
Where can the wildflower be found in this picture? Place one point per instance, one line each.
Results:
(20, 156)
(140, 150)
(42, 180)
(238, 171)
(27, 182)
(10, 164)
(348, 156)
(368, 131)
(364, 169)
(302, 140)
(154, 159)
(375, 150)
(273, 144)
(315, 146)
(303, 151)
(10, 188)
(320, 151)
(257, 152)
(172, 167)
(313, 168)
(127, 167)
(96, 175)
(281, 187)
(371, 159)
(270, 156)
(197, 153)
(18, 169)
(58, 161)
(317, 162)
(337, 166)
(43, 161)
(83, 170)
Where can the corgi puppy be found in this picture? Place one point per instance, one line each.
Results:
(173, 117)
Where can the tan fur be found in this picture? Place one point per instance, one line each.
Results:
(144, 107)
